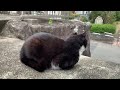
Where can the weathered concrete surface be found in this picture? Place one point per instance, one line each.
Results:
(86, 68)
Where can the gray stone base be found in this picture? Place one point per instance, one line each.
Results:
(86, 68)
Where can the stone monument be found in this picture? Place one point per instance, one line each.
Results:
(99, 20)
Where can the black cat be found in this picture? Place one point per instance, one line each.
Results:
(43, 50)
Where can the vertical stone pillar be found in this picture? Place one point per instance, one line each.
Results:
(22, 12)
(87, 49)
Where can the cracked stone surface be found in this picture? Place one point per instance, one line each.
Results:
(86, 68)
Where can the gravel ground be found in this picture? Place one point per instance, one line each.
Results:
(86, 68)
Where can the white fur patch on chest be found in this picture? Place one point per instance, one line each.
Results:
(55, 67)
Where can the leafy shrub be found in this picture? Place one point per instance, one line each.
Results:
(83, 18)
(101, 28)
(108, 16)
(50, 21)
(71, 16)
(93, 15)
(117, 15)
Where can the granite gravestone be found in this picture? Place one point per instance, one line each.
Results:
(99, 20)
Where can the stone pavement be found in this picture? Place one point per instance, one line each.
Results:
(86, 68)
(104, 51)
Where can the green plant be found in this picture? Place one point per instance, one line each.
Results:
(108, 16)
(93, 15)
(71, 16)
(50, 21)
(117, 15)
(83, 18)
(101, 28)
